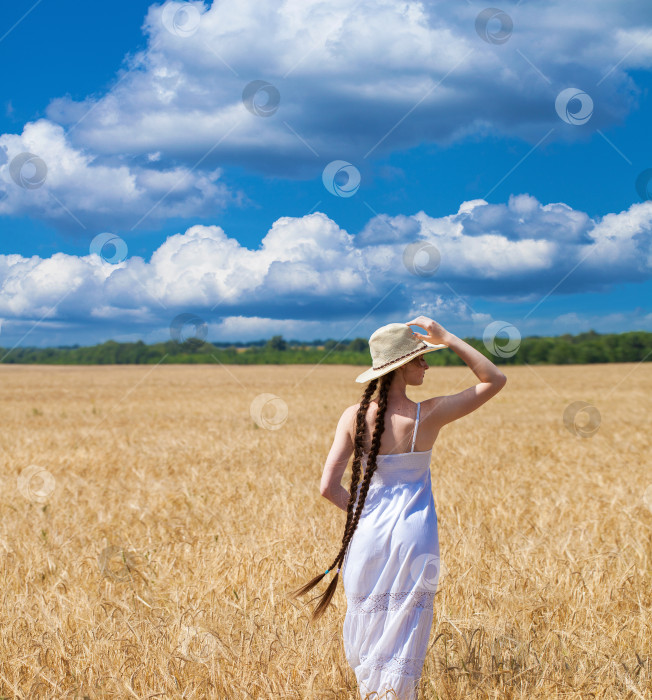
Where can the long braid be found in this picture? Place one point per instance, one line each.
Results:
(373, 452)
(358, 448)
(353, 515)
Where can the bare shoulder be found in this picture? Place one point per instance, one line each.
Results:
(351, 412)
(347, 419)
(431, 409)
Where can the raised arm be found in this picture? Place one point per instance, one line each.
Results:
(338, 457)
(446, 409)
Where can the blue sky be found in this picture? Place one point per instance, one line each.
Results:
(138, 130)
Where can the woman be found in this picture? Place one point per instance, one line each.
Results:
(390, 547)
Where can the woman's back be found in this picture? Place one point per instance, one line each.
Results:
(403, 424)
(389, 555)
(390, 571)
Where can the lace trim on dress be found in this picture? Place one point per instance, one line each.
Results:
(398, 665)
(380, 602)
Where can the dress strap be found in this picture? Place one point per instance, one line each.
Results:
(416, 426)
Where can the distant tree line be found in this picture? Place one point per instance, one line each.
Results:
(584, 348)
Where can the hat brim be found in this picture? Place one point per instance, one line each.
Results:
(372, 373)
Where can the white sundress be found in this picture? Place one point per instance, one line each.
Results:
(390, 576)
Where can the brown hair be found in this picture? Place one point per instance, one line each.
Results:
(352, 517)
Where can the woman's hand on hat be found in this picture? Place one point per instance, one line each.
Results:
(435, 332)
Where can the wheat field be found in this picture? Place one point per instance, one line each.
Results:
(153, 519)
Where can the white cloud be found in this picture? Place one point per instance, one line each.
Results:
(355, 80)
(348, 72)
(438, 307)
(247, 328)
(307, 268)
(75, 191)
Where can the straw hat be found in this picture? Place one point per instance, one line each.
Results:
(391, 346)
